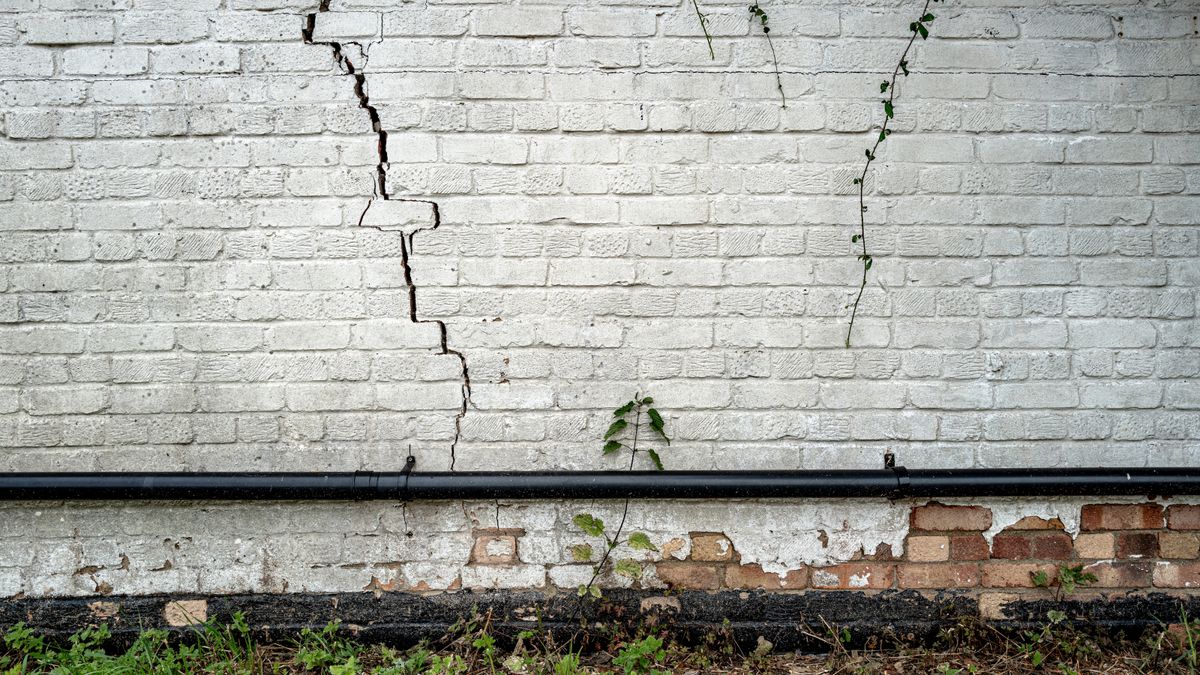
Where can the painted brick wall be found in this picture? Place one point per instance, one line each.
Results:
(249, 234)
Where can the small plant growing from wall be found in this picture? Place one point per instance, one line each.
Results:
(631, 424)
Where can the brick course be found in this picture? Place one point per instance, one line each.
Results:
(199, 270)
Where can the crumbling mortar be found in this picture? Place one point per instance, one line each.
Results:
(379, 189)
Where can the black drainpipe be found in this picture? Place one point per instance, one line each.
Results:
(891, 483)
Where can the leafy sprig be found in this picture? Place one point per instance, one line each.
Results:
(622, 434)
(918, 28)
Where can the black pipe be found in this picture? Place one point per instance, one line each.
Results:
(896, 482)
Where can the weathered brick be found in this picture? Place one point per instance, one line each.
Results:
(1183, 517)
(940, 518)
(688, 575)
(938, 575)
(853, 576)
(1121, 517)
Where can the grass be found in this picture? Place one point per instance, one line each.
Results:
(471, 648)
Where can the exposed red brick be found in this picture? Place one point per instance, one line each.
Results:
(753, 576)
(969, 547)
(495, 546)
(853, 575)
(1121, 574)
(1184, 517)
(932, 575)
(1177, 575)
(1013, 575)
(936, 517)
(688, 575)
(1035, 523)
(1179, 545)
(711, 547)
(1137, 544)
(1051, 545)
(1011, 547)
(1121, 517)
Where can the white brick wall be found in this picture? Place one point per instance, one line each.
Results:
(187, 285)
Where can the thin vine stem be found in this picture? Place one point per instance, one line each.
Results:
(918, 30)
(616, 538)
(704, 27)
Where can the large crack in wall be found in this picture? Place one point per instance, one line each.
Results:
(380, 190)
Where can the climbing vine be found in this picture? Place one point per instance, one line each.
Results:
(621, 435)
(919, 28)
(757, 12)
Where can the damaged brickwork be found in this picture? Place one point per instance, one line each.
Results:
(268, 235)
(346, 63)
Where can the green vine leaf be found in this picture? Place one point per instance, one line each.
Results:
(629, 568)
(639, 541)
(904, 67)
(624, 410)
(655, 458)
(612, 446)
(883, 87)
(589, 524)
(888, 109)
(616, 428)
(581, 552)
(657, 424)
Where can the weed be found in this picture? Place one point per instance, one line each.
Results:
(1065, 581)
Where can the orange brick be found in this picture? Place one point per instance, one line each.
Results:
(496, 546)
(1121, 517)
(853, 575)
(1013, 575)
(1184, 517)
(753, 576)
(931, 575)
(1035, 523)
(711, 547)
(969, 547)
(936, 517)
(928, 549)
(1097, 546)
(1121, 574)
(1177, 575)
(1179, 545)
(688, 575)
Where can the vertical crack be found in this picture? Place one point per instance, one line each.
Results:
(380, 190)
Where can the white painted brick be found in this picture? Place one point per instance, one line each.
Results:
(196, 257)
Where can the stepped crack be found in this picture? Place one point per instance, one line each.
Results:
(380, 189)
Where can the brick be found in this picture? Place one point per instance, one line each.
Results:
(1100, 546)
(1011, 547)
(969, 547)
(688, 575)
(853, 576)
(1122, 574)
(1051, 546)
(1137, 544)
(940, 518)
(711, 547)
(752, 576)
(927, 549)
(1177, 575)
(496, 546)
(1121, 517)
(1179, 545)
(1013, 574)
(935, 575)
(1183, 517)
